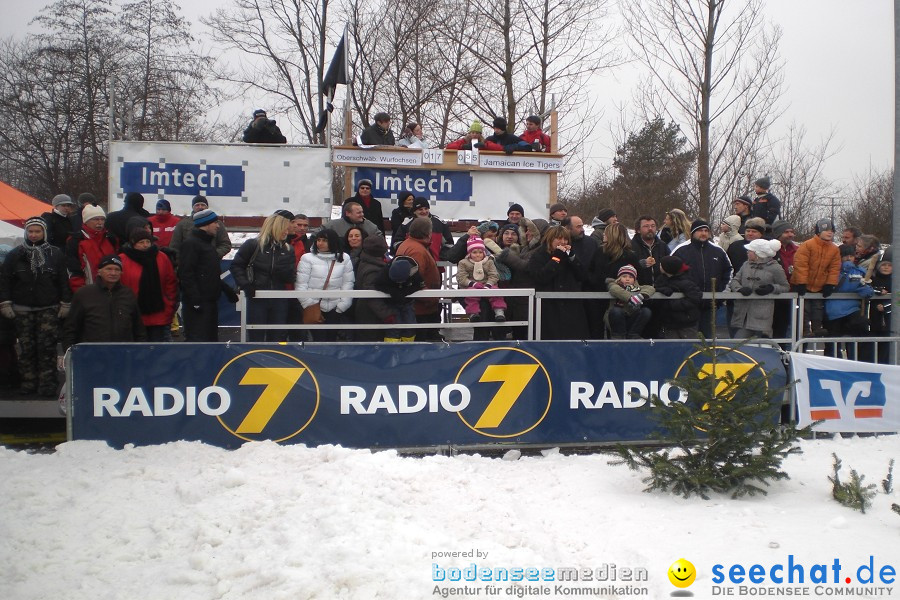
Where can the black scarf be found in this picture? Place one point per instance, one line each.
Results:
(150, 298)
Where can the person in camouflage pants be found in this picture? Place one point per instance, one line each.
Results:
(35, 294)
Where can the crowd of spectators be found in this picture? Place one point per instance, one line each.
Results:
(82, 275)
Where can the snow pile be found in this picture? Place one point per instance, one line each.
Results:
(190, 521)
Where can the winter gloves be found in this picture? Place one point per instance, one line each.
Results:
(765, 289)
(64, 310)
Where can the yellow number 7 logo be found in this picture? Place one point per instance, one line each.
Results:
(278, 382)
(515, 379)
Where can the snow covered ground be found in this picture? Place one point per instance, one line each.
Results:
(188, 521)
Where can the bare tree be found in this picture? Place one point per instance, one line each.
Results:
(871, 205)
(284, 42)
(797, 170)
(716, 72)
(164, 87)
(77, 46)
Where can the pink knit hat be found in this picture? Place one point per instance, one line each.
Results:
(474, 243)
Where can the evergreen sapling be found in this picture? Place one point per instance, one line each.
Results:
(725, 438)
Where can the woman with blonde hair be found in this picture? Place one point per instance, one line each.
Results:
(676, 229)
(266, 263)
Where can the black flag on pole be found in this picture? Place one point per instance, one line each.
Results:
(337, 71)
(336, 75)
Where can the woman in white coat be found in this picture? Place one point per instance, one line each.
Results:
(326, 267)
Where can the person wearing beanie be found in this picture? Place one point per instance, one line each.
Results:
(478, 271)
(680, 317)
(558, 212)
(741, 206)
(441, 238)
(83, 200)
(116, 221)
(372, 210)
(728, 231)
(539, 141)
(199, 270)
(150, 275)
(708, 266)
(379, 133)
(507, 141)
(627, 316)
(59, 220)
(184, 227)
(761, 275)
(754, 229)
(766, 205)
(417, 246)
(399, 279)
(606, 216)
(86, 247)
(263, 130)
(89, 320)
(817, 267)
(515, 213)
(846, 317)
(163, 223)
(34, 297)
(474, 138)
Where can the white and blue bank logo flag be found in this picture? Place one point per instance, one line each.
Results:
(845, 395)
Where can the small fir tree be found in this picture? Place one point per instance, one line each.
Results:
(887, 484)
(725, 438)
(853, 493)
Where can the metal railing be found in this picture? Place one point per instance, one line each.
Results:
(535, 305)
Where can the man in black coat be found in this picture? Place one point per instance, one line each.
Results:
(105, 311)
(263, 130)
(706, 261)
(380, 133)
(372, 209)
(199, 271)
(117, 221)
(509, 141)
(59, 221)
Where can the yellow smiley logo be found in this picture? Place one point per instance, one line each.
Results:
(682, 573)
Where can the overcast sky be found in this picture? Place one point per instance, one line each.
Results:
(839, 61)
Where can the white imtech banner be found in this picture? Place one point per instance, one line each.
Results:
(846, 395)
(457, 195)
(238, 179)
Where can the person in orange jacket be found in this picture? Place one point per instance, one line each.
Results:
(817, 266)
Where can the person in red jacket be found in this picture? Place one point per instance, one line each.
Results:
(474, 138)
(85, 248)
(149, 273)
(539, 140)
(163, 223)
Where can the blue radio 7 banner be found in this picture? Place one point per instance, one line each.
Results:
(383, 395)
